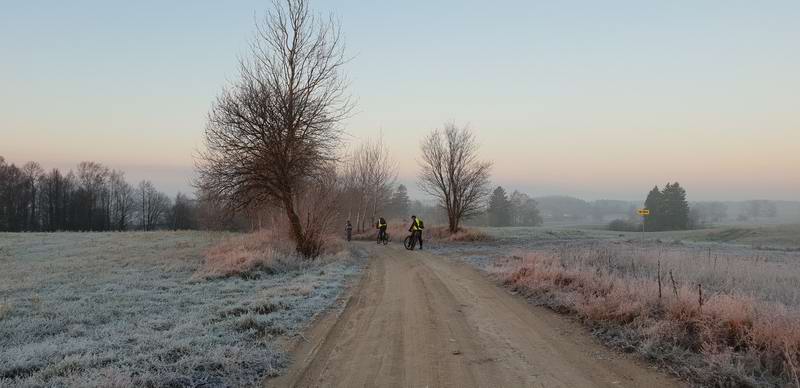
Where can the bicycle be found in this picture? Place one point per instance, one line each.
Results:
(410, 242)
(384, 240)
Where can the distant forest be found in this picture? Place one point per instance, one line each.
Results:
(90, 198)
(93, 197)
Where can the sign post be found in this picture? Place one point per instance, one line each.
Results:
(644, 213)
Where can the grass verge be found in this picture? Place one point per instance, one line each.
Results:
(714, 340)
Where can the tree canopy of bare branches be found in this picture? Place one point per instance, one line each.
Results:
(153, 205)
(452, 172)
(92, 198)
(369, 175)
(278, 126)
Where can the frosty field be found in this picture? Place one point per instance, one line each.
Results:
(716, 307)
(123, 309)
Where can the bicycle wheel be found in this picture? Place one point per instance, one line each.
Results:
(409, 243)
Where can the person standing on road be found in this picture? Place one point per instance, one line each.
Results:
(382, 226)
(416, 230)
(349, 230)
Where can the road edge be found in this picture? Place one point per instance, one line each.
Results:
(303, 348)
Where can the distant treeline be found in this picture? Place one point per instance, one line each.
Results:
(519, 209)
(90, 198)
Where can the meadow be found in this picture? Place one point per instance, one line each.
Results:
(153, 309)
(720, 307)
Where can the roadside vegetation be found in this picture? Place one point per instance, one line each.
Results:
(716, 313)
(156, 309)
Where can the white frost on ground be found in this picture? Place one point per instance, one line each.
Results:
(728, 268)
(121, 309)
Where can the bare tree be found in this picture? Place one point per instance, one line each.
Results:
(182, 214)
(122, 201)
(153, 205)
(32, 173)
(92, 178)
(370, 174)
(453, 174)
(276, 129)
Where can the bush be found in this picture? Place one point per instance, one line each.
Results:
(624, 226)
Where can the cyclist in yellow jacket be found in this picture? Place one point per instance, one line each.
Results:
(416, 230)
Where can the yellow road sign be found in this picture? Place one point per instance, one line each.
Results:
(643, 212)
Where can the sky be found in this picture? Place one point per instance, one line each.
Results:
(585, 98)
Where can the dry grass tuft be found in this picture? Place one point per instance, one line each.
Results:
(737, 340)
(250, 255)
(441, 233)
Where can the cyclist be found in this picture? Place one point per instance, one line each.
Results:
(416, 230)
(382, 225)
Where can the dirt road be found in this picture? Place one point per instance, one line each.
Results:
(418, 320)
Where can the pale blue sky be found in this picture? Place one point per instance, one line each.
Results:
(593, 99)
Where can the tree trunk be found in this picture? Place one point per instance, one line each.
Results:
(302, 244)
(453, 221)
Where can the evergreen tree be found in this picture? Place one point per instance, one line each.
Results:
(676, 207)
(669, 209)
(499, 208)
(399, 204)
(653, 203)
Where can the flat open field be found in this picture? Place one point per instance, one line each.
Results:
(125, 309)
(762, 262)
(720, 307)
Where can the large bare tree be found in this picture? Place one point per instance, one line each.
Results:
(452, 172)
(277, 128)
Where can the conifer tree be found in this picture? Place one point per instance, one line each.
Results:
(499, 208)
(653, 203)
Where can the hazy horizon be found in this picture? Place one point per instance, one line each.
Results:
(596, 101)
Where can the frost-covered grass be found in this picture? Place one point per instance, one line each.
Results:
(125, 309)
(743, 330)
(759, 237)
(721, 267)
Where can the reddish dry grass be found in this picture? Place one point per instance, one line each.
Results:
(260, 251)
(742, 341)
(441, 233)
